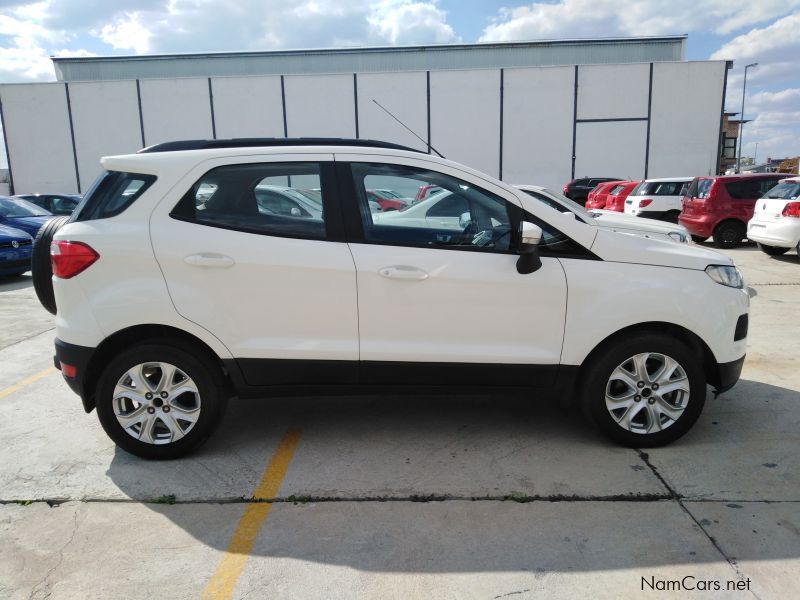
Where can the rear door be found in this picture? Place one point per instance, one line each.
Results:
(279, 290)
(447, 306)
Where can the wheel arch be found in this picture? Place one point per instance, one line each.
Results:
(110, 347)
(688, 337)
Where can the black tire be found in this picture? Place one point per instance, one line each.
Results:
(206, 375)
(773, 250)
(672, 216)
(598, 376)
(699, 239)
(41, 268)
(729, 234)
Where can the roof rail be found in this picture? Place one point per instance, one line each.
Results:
(256, 142)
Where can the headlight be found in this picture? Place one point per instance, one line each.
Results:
(679, 237)
(726, 275)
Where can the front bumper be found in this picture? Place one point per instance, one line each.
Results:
(700, 226)
(729, 374)
(783, 233)
(79, 358)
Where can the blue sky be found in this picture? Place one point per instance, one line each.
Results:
(745, 31)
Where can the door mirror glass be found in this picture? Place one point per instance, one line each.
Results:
(531, 234)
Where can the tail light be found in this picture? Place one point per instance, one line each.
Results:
(792, 209)
(70, 258)
(643, 203)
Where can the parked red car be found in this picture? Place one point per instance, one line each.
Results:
(598, 196)
(426, 191)
(617, 194)
(721, 206)
(385, 202)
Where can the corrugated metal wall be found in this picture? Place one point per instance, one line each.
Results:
(540, 125)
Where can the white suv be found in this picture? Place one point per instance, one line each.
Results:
(176, 290)
(658, 198)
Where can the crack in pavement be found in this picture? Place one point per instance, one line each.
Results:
(674, 495)
(45, 580)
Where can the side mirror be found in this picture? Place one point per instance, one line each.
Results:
(464, 220)
(529, 260)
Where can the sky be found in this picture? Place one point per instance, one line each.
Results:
(745, 31)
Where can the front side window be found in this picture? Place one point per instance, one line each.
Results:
(458, 215)
(281, 199)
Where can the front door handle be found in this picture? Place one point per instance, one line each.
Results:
(403, 272)
(209, 259)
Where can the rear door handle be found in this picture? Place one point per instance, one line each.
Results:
(403, 272)
(209, 259)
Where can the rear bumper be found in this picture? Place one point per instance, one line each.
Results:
(729, 374)
(79, 358)
(783, 233)
(699, 226)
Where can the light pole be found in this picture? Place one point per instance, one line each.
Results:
(741, 117)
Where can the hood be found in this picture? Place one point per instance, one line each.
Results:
(618, 247)
(618, 219)
(29, 224)
(9, 234)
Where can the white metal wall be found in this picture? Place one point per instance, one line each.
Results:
(529, 125)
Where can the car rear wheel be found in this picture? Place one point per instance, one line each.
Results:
(41, 268)
(645, 390)
(160, 401)
(672, 216)
(729, 234)
(772, 250)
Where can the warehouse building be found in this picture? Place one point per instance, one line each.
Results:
(528, 112)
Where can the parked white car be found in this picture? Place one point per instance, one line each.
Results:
(610, 219)
(169, 304)
(775, 225)
(658, 198)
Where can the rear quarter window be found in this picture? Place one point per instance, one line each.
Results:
(111, 194)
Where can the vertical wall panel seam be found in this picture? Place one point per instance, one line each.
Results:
(72, 138)
(355, 100)
(283, 105)
(500, 169)
(211, 105)
(574, 121)
(8, 155)
(720, 139)
(428, 105)
(649, 114)
(141, 116)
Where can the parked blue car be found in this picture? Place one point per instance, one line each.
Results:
(15, 251)
(21, 214)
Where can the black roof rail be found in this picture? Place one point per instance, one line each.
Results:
(263, 142)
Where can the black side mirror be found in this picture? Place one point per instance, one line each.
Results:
(529, 260)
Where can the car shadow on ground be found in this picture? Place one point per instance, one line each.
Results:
(17, 282)
(369, 444)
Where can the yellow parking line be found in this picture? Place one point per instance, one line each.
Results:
(230, 566)
(25, 382)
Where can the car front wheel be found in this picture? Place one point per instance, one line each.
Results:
(645, 390)
(772, 250)
(159, 401)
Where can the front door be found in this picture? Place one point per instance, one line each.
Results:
(447, 306)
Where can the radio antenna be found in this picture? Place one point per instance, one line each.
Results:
(386, 110)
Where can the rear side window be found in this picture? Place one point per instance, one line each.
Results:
(659, 188)
(615, 190)
(277, 199)
(111, 194)
(744, 190)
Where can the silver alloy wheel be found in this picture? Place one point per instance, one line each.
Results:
(647, 393)
(156, 403)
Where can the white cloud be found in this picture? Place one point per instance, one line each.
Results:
(582, 18)
(411, 23)
(126, 33)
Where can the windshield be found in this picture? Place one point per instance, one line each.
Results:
(17, 207)
(560, 203)
(785, 190)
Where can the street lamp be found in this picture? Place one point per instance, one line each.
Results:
(741, 116)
